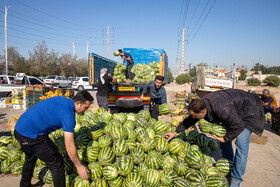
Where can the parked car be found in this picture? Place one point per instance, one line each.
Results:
(71, 79)
(57, 81)
(81, 83)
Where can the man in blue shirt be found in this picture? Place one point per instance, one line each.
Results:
(129, 65)
(32, 130)
(157, 95)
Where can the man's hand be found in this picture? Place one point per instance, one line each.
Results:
(109, 74)
(140, 98)
(170, 135)
(219, 139)
(83, 172)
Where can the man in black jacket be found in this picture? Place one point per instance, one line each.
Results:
(240, 112)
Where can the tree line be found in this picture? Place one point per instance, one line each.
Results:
(43, 62)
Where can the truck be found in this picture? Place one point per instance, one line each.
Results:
(206, 83)
(16, 82)
(124, 96)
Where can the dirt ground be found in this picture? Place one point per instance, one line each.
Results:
(263, 160)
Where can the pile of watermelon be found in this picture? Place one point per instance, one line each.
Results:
(214, 128)
(128, 149)
(142, 73)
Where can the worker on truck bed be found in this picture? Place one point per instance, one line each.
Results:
(103, 87)
(157, 95)
(240, 112)
(269, 101)
(127, 57)
(33, 127)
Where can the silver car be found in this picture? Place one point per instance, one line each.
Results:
(57, 81)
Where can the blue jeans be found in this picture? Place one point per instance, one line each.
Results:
(240, 157)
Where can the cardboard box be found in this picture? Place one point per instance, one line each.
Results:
(17, 101)
(17, 106)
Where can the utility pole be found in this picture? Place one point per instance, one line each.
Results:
(182, 71)
(73, 44)
(6, 45)
(108, 38)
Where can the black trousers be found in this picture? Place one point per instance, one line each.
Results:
(43, 148)
(154, 110)
(128, 72)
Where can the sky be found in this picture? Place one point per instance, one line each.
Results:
(218, 32)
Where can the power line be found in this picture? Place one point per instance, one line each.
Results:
(194, 13)
(185, 13)
(58, 18)
(204, 19)
(181, 12)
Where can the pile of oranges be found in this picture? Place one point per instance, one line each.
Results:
(50, 94)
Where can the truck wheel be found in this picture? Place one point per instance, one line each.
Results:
(80, 88)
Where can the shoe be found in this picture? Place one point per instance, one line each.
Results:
(234, 184)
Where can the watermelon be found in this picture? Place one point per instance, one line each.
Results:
(106, 156)
(81, 141)
(95, 171)
(145, 114)
(129, 123)
(141, 122)
(120, 117)
(194, 159)
(147, 144)
(39, 171)
(142, 169)
(131, 116)
(195, 148)
(206, 150)
(118, 131)
(131, 135)
(4, 152)
(106, 116)
(193, 133)
(133, 179)
(16, 167)
(176, 145)
(152, 177)
(151, 122)
(120, 147)
(182, 183)
(100, 110)
(224, 166)
(124, 165)
(110, 172)
(93, 143)
(197, 178)
(164, 109)
(104, 141)
(153, 160)
(131, 144)
(209, 170)
(219, 130)
(160, 127)
(202, 140)
(151, 133)
(6, 139)
(168, 177)
(6, 166)
(68, 165)
(116, 182)
(167, 162)
(97, 131)
(212, 144)
(99, 183)
(48, 177)
(78, 181)
(82, 154)
(216, 181)
(181, 167)
(208, 160)
(137, 155)
(141, 134)
(174, 123)
(161, 145)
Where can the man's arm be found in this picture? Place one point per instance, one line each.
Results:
(144, 91)
(163, 96)
(186, 123)
(72, 152)
(269, 101)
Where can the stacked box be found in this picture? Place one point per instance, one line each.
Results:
(5, 102)
(33, 95)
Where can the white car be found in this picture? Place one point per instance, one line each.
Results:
(57, 81)
(81, 83)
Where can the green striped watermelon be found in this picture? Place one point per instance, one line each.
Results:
(39, 171)
(206, 150)
(106, 116)
(181, 167)
(164, 109)
(81, 141)
(129, 123)
(208, 160)
(99, 183)
(48, 177)
(152, 177)
(116, 182)
(193, 133)
(131, 134)
(219, 130)
(137, 155)
(110, 172)
(79, 182)
(182, 183)
(82, 154)
(202, 140)
(195, 148)
(120, 116)
(141, 122)
(153, 160)
(16, 167)
(194, 159)
(68, 165)
(151, 122)
(104, 141)
(93, 143)
(160, 127)
(176, 145)
(131, 144)
(100, 110)
(95, 171)
(217, 181)
(118, 131)
(124, 165)
(197, 178)
(106, 156)
(167, 162)
(168, 177)
(97, 131)
(161, 145)
(212, 144)
(151, 133)
(209, 170)
(145, 114)
(6, 166)
(133, 180)
(4, 151)
(131, 116)
(120, 147)
(6, 139)
(142, 169)
(147, 144)
(224, 166)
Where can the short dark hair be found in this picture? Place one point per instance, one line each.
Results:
(196, 105)
(83, 96)
(120, 51)
(160, 78)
